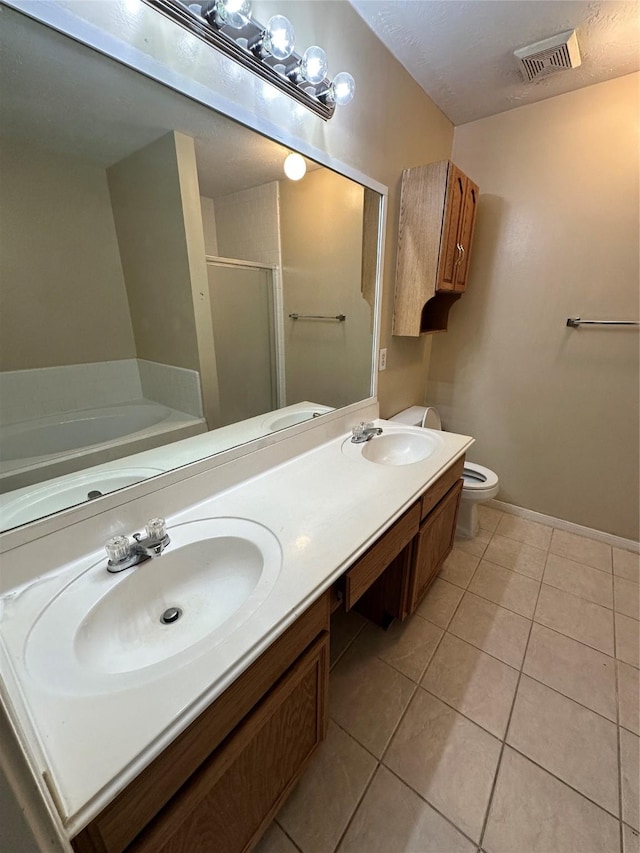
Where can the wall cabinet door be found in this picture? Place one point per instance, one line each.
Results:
(449, 260)
(466, 234)
(457, 232)
(433, 544)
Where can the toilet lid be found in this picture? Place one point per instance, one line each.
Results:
(478, 477)
(431, 418)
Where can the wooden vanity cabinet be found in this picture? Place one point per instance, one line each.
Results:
(432, 545)
(392, 577)
(437, 218)
(219, 784)
(365, 572)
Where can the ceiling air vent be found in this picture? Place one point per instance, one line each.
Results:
(549, 56)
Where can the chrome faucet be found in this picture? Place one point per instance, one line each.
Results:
(123, 554)
(364, 432)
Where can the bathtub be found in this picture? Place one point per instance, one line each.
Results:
(41, 448)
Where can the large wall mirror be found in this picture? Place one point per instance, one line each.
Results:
(166, 292)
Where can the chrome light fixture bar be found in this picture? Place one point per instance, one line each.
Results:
(267, 50)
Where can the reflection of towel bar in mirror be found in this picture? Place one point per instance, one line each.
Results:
(340, 317)
(575, 322)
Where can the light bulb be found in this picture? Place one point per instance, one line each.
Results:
(342, 89)
(294, 167)
(278, 37)
(232, 13)
(313, 67)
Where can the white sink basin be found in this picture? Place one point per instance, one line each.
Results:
(37, 501)
(396, 446)
(105, 632)
(297, 417)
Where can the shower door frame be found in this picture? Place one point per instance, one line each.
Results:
(277, 306)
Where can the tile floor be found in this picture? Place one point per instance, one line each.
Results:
(503, 717)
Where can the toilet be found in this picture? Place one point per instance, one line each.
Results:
(480, 483)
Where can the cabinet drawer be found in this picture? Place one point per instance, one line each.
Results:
(435, 493)
(371, 565)
(142, 799)
(226, 805)
(433, 544)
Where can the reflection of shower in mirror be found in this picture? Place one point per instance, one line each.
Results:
(137, 271)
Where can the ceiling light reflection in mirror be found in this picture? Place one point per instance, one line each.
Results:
(153, 254)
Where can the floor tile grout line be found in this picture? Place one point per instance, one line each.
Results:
(568, 637)
(348, 646)
(462, 713)
(578, 597)
(378, 764)
(504, 607)
(511, 569)
(570, 698)
(563, 781)
(380, 760)
(448, 631)
(549, 551)
(356, 807)
(284, 831)
(531, 678)
(431, 805)
(506, 731)
(618, 739)
(581, 597)
(427, 665)
(607, 573)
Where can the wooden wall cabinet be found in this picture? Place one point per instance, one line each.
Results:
(219, 784)
(437, 218)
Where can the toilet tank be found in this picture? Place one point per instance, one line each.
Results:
(426, 416)
(411, 417)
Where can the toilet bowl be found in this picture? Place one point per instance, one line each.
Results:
(480, 483)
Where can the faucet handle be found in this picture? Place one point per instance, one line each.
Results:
(156, 529)
(118, 548)
(358, 431)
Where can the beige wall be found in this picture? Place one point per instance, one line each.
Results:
(148, 212)
(554, 410)
(321, 237)
(52, 312)
(247, 225)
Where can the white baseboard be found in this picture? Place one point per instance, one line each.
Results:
(569, 526)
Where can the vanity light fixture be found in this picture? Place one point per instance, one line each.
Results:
(294, 167)
(266, 50)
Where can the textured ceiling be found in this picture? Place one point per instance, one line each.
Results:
(461, 51)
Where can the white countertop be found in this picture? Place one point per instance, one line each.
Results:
(324, 506)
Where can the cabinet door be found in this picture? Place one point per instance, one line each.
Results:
(450, 254)
(228, 803)
(433, 544)
(465, 237)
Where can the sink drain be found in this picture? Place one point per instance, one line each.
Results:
(171, 614)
